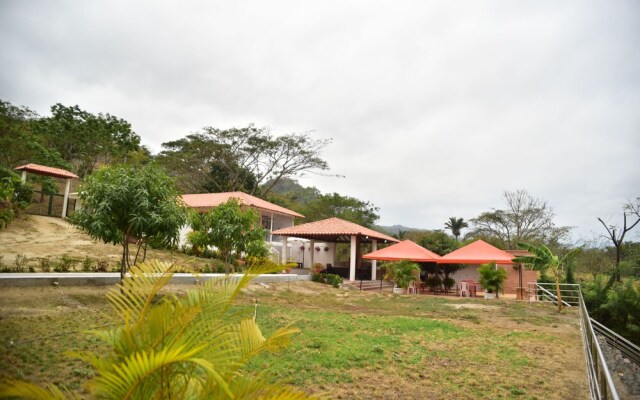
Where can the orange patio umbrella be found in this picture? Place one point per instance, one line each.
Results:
(405, 250)
(478, 252)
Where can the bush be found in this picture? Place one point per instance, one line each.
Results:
(492, 278)
(65, 264)
(21, 262)
(14, 195)
(331, 279)
(448, 283)
(433, 282)
(87, 264)
(102, 266)
(45, 263)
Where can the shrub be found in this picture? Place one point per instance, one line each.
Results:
(448, 283)
(402, 273)
(21, 262)
(65, 264)
(434, 282)
(87, 264)
(102, 266)
(14, 195)
(45, 263)
(492, 278)
(331, 279)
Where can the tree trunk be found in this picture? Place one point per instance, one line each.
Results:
(559, 299)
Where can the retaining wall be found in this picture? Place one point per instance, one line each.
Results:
(111, 278)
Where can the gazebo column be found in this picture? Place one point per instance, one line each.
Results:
(312, 249)
(23, 179)
(374, 263)
(352, 259)
(66, 198)
(284, 250)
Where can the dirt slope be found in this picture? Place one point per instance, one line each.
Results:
(37, 236)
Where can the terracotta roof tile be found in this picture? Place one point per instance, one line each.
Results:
(48, 171)
(209, 200)
(331, 227)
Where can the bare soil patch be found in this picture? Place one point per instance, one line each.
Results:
(38, 237)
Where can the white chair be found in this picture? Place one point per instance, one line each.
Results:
(463, 289)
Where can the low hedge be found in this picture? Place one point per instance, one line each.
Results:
(330, 279)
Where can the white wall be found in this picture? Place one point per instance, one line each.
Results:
(322, 256)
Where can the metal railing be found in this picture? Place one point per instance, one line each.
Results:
(601, 384)
(625, 347)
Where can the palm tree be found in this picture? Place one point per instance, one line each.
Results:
(193, 346)
(456, 225)
(541, 259)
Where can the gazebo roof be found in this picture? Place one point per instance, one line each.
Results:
(206, 201)
(47, 171)
(333, 230)
(478, 252)
(405, 250)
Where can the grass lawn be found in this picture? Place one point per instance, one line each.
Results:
(351, 345)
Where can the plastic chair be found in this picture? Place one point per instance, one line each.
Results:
(463, 289)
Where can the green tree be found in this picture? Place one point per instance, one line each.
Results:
(542, 259)
(241, 159)
(456, 225)
(436, 241)
(19, 144)
(231, 230)
(168, 347)
(335, 205)
(86, 140)
(123, 204)
(525, 219)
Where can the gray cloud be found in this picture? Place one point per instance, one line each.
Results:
(435, 108)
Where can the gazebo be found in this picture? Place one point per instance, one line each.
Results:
(52, 172)
(336, 230)
(478, 252)
(405, 250)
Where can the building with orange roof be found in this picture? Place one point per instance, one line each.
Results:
(272, 216)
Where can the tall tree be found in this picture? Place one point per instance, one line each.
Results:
(231, 230)
(125, 204)
(617, 234)
(541, 259)
(456, 225)
(335, 205)
(19, 144)
(248, 159)
(85, 140)
(525, 219)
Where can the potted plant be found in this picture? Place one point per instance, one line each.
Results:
(402, 273)
(492, 279)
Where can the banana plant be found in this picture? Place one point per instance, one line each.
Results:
(541, 258)
(192, 346)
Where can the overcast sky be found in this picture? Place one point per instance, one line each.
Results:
(435, 108)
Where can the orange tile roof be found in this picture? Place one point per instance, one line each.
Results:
(478, 252)
(405, 250)
(210, 200)
(332, 228)
(48, 171)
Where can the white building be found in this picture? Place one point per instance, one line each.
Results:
(272, 216)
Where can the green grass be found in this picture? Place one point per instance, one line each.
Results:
(350, 345)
